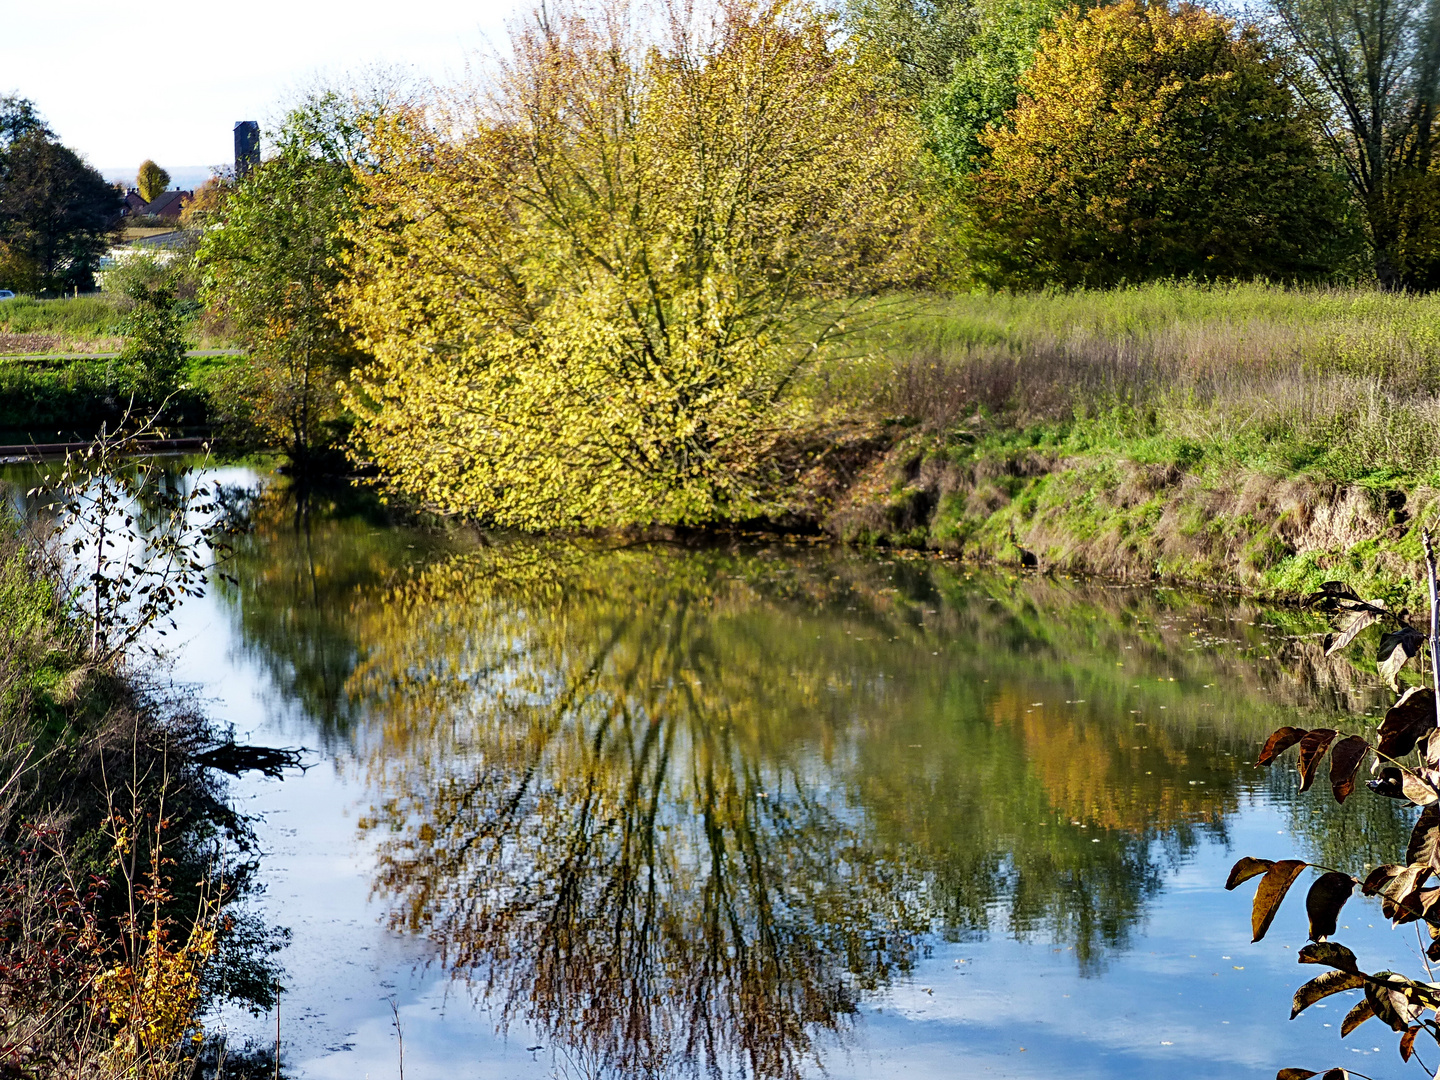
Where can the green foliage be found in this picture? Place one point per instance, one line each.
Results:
(1153, 144)
(1372, 72)
(56, 212)
(269, 258)
(918, 42)
(153, 356)
(958, 62)
(986, 81)
(589, 303)
(18, 118)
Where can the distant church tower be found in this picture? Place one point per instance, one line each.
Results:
(247, 147)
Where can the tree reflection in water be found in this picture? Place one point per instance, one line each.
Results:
(612, 812)
(682, 809)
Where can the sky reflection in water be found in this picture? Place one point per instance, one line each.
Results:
(764, 808)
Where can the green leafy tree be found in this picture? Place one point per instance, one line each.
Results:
(56, 212)
(959, 61)
(985, 84)
(1373, 70)
(591, 300)
(269, 256)
(151, 180)
(155, 340)
(19, 117)
(1150, 142)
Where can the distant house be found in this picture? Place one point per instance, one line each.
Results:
(167, 204)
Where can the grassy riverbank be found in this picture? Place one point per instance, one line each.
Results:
(1246, 437)
(119, 858)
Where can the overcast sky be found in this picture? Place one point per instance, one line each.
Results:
(119, 84)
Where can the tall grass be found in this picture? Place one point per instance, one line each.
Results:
(92, 315)
(1344, 383)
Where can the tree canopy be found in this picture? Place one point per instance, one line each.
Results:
(1150, 142)
(151, 180)
(269, 258)
(1374, 80)
(56, 212)
(592, 305)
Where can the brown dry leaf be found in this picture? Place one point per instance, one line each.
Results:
(1345, 759)
(1396, 649)
(1280, 740)
(1355, 1017)
(1321, 987)
(1329, 953)
(1245, 869)
(1273, 887)
(1424, 846)
(1406, 721)
(1312, 749)
(1324, 901)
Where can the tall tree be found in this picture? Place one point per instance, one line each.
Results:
(18, 116)
(1151, 142)
(151, 180)
(1373, 76)
(269, 257)
(56, 213)
(959, 61)
(590, 298)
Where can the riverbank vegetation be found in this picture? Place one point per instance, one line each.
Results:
(1135, 288)
(121, 862)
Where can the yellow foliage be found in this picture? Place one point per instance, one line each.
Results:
(589, 294)
(154, 1003)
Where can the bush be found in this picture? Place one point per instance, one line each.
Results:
(1152, 143)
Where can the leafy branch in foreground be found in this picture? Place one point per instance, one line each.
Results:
(1405, 764)
(130, 538)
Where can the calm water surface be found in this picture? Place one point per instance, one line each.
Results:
(771, 810)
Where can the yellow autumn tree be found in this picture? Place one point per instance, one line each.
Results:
(590, 292)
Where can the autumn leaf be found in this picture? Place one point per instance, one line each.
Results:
(1324, 901)
(1273, 887)
(1321, 987)
(1279, 741)
(1345, 759)
(1245, 869)
(1312, 749)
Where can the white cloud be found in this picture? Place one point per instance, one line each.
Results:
(119, 85)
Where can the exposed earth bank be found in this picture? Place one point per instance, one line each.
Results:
(999, 500)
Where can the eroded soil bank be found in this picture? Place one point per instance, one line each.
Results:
(1137, 515)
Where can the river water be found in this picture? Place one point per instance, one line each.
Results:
(770, 809)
